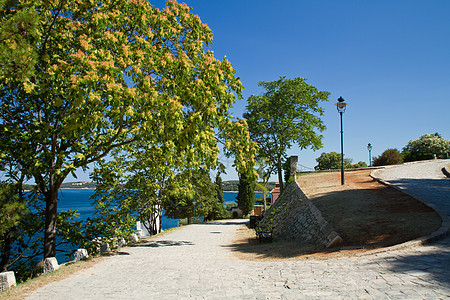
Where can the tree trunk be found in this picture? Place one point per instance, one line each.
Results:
(51, 198)
(160, 218)
(6, 251)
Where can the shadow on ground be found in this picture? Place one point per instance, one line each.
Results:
(437, 191)
(376, 217)
(164, 243)
(431, 265)
(225, 222)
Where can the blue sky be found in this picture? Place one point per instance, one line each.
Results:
(390, 60)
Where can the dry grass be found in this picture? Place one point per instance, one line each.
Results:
(365, 213)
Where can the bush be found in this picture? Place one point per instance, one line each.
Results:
(426, 147)
(388, 157)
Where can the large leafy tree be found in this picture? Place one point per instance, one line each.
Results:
(102, 75)
(287, 113)
(426, 147)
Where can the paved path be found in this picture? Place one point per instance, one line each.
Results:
(196, 262)
(424, 181)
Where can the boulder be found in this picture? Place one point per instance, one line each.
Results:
(134, 238)
(50, 265)
(104, 248)
(121, 242)
(7, 280)
(80, 254)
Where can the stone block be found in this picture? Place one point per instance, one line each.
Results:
(50, 265)
(121, 242)
(337, 240)
(80, 254)
(134, 238)
(7, 280)
(104, 248)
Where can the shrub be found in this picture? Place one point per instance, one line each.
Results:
(388, 157)
(426, 147)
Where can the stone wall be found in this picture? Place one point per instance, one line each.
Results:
(294, 216)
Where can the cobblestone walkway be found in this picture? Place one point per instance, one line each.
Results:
(424, 181)
(196, 262)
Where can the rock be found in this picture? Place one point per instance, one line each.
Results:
(80, 254)
(121, 242)
(134, 238)
(50, 265)
(104, 248)
(7, 280)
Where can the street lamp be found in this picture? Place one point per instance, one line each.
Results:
(369, 147)
(194, 202)
(341, 105)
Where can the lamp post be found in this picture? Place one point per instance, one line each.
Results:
(341, 105)
(194, 202)
(369, 147)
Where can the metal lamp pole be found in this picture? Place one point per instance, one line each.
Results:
(194, 202)
(369, 147)
(341, 105)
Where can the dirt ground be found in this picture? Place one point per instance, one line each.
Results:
(365, 213)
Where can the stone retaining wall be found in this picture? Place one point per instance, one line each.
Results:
(294, 216)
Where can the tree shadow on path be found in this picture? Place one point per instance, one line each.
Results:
(427, 266)
(164, 243)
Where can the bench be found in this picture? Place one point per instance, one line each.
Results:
(264, 234)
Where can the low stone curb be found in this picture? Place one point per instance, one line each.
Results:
(446, 171)
(439, 234)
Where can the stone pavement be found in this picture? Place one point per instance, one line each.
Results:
(424, 181)
(196, 262)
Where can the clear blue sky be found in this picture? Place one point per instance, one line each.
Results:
(390, 60)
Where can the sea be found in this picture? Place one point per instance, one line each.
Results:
(79, 199)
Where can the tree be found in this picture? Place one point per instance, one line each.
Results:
(219, 187)
(19, 30)
(199, 187)
(388, 157)
(287, 113)
(360, 164)
(103, 75)
(264, 171)
(246, 193)
(332, 161)
(426, 147)
(11, 212)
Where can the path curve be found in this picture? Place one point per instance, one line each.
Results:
(424, 181)
(196, 262)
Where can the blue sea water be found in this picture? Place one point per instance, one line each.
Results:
(79, 199)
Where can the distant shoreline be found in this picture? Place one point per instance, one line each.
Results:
(76, 188)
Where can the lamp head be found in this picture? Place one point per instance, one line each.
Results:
(341, 105)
